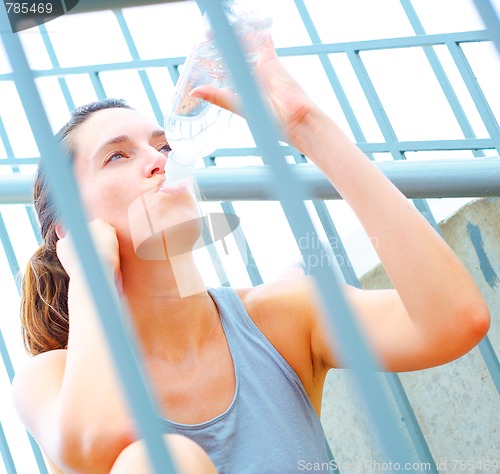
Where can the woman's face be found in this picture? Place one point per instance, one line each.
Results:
(120, 160)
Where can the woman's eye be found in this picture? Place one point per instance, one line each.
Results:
(115, 156)
(165, 148)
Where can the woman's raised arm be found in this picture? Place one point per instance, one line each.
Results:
(436, 312)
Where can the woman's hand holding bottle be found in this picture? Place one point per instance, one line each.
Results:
(286, 99)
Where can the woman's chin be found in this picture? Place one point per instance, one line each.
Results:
(164, 221)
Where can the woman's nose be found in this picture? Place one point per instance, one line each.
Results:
(155, 163)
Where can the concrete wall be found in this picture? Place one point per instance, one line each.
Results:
(457, 405)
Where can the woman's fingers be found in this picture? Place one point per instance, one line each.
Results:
(105, 239)
(221, 97)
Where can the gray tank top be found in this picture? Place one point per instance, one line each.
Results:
(270, 426)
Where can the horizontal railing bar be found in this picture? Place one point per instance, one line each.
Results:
(431, 145)
(87, 6)
(135, 64)
(326, 48)
(383, 147)
(415, 179)
(387, 43)
(368, 147)
(478, 177)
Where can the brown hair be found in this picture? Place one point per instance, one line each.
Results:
(44, 298)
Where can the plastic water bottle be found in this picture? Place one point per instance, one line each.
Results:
(193, 126)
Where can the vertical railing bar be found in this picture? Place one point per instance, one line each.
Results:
(173, 71)
(491, 361)
(55, 64)
(475, 91)
(490, 18)
(353, 348)
(146, 83)
(410, 421)
(332, 75)
(34, 223)
(148, 88)
(375, 104)
(6, 454)
(214, 255)
(250, 265)
(441, 75)
(5, 140)
(215, 259)
(9, 253)
(7, 362)
(65, 193)
(385, 125)
(97, 84)
(330, 230)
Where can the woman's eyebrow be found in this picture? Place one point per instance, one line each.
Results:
(113, 141)
(125, 138)
(158, 134)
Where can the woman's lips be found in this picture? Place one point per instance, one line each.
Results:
(174, 187)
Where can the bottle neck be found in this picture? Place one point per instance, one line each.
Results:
(178, 168)
(180, 160)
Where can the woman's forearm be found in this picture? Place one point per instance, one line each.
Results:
(93, 412)
(433, 284)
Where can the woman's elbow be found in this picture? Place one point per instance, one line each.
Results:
(474, 321)
(479, 320)
(85, 449)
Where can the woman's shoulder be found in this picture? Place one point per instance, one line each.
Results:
(49, 360)
(283, 295)
(39, 376)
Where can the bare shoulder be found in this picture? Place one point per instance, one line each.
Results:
(37, 367)
(38, 379)
(288, 293)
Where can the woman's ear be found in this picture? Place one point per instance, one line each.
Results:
(60, 230)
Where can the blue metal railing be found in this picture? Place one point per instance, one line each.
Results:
(298, 217)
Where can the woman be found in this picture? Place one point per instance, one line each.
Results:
(240, 372)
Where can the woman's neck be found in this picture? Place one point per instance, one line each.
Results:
(171, 310)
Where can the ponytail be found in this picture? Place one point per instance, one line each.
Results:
(44, 299)
(44, 306)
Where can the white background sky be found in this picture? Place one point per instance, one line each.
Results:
(404, 81)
